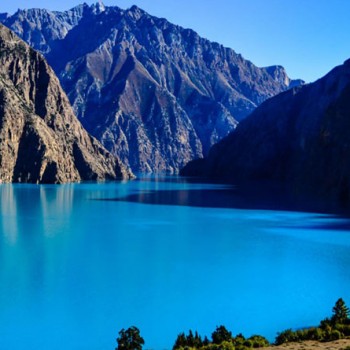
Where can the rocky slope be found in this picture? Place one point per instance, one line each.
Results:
(153, 93)
(41, 140)
(300, 137)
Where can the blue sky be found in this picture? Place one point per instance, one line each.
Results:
(307, 37)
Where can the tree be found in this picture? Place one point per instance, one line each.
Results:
(220, 335)
(190, 340)
(340, 312)
(130, 339)
(205, 341)
(180, 341)
(197, 342)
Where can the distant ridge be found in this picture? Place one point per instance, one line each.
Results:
(300, 138)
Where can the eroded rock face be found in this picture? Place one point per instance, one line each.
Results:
(41, 140)
(300, 138)
(153, 93)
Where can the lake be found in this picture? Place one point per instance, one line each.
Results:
(79, 262)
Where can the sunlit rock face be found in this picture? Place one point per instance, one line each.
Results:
(155, 94)
(41, 140)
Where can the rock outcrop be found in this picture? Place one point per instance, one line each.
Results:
(300, 138)
(41, 140)
(155, 94)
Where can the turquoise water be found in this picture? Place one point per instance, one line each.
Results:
(80, 262)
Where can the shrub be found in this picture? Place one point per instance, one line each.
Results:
(315, 334)
(258, 341)
(226, 345)
(343, 328)
(239, 342)
(335, 335)
(286, 336)
(211, 346)
(248, 343)
(325, 324)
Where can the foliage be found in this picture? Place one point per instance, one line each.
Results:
(286, 336)
(222, 339)
(340, 312)
(259, 341)
(225, 345)
(220, 335)
(130, 339)
(334, 328)
(189, 341)
(330, 329)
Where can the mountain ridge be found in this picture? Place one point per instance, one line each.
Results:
(155, 94)
(299, 138)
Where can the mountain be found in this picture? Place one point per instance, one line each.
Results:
(155, 94)
(300, 138)
(3, 16)
(41, 140)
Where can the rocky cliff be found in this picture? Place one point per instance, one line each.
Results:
(155, 94)
(41, 140)
(300, 138)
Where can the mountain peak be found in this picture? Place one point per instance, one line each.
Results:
(279, 74)
(135, 12)
(98, 7)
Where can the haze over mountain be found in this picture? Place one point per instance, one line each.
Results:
(153, 93)
(41, 140)
(300, 138)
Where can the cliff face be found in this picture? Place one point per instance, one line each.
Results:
(300, 138)
(153, 93)
(41, 140)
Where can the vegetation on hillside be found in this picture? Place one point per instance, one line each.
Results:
(333, 328)
(221, 339)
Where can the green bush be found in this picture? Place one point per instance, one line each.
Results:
(211, 346)
(343, 328)
(259, 341)
(335, 335)
(248, 343)
(326, 323)
(286, 336)
(315, 334)
(226, 345)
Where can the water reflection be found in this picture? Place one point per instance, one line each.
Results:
(8, 213)
(29, 216)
